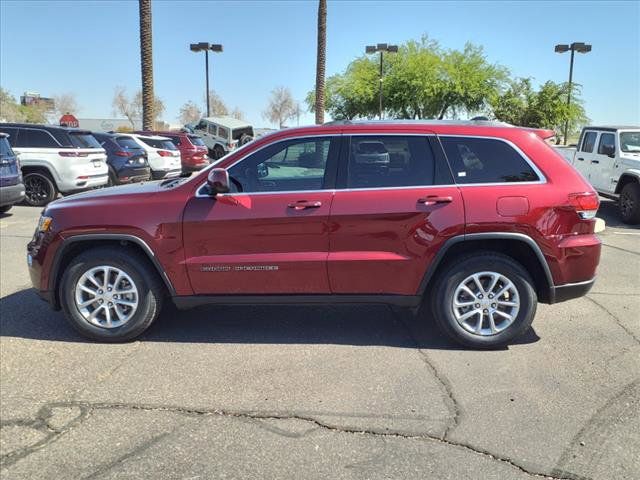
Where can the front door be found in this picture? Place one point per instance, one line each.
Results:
(585, 155)
(270, 234)
(394, 207)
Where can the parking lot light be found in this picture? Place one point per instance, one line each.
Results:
(381, 47)
(205, 47)
(579, 47)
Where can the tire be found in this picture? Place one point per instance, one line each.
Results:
(629, 203)
(218, 152)
(139, 275)
(451, 319)
(113, 179)
(5, 209)
(39, 189)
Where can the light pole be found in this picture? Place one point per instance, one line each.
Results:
(579, 47)
(381, 47)
(204, 46)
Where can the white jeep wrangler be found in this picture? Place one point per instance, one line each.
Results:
(222, 135)
(609, 158)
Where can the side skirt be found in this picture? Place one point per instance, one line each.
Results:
(185, 302)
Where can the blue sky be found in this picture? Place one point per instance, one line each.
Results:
(90, 47)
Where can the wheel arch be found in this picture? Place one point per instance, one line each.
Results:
(41, 168)
(518, 246)
(73, 246)
(626, 178)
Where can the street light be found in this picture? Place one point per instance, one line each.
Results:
(381, 47)
(204, 46)
(579, 47)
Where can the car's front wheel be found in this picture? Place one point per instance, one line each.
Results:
(484, 300)
(629, 203)
(110, 294)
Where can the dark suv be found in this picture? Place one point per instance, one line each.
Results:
(126, 159)
(475, 222)
(11, 186)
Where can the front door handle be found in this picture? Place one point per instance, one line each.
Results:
(434, 199)
(303, 204)
(581, 159)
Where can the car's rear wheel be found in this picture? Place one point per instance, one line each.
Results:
(113, 179)
(218, 152)
(484, 300)
(39, 189)
(110, 294)
(629, 203)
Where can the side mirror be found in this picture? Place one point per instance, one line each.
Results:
(218, 181)
(609, 150)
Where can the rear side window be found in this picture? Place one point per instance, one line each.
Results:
(197, 141)
(589, 142)
(389, 161)
(127, 143)
(32, 138)
(606, 140)
(223, 132)
(486, 160)
(83, 140)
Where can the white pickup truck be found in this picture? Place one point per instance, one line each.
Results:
(609, 158)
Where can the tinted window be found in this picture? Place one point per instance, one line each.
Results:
(83, 140)
(606, 140)
(389, 161)
(31, 138)
(163, 144)
(196, 141)
(292, 165)
(127, 143)
(213, 130)
(485, 160)
(13, 135)
(201, 126)
(5, 148)
(589, 142)
(176, 140)
(223, 132)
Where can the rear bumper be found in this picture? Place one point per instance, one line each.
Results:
(133, 174)
(562, 293)
(160, 174)
(11, 194)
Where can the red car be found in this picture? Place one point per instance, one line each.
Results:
(475, 223)
(193, 151)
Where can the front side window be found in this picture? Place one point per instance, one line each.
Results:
(607, 140)
(486, 160)
(294, 165)
(389, 161)
(589, 142)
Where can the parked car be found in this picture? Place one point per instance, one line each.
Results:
(126, 159)
(476, 223)
(193, 151)
(56, 159)
(163, 155)
(609, 158)
(11, 186)
(222, 135)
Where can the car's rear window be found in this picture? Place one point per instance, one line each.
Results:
(128, 143)
(486, 160)
(196, 140)
(162, 144)
(239, 132)
(5, 147)
(83, 140)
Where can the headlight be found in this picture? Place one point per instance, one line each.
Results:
(44, 224)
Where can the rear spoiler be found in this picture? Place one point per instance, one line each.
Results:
(543, 133)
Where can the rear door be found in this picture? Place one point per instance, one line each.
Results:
(394, 207)
(270, 235)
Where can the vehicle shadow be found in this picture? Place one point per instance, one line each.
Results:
(24, 315)
(608, 211)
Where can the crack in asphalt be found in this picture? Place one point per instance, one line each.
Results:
(615, 318)
(88, 408)
(621, 249)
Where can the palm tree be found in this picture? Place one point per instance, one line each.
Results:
(146, 63)
(321, 60)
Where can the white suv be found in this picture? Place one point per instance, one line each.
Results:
(222, 135)
(56, 159)
(163, 155)
(609, 158)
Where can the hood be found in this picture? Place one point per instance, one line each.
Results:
(115, 194)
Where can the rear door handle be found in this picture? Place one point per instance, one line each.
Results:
(595, 161)
(434, 199)
(581, 159)
(303, 204)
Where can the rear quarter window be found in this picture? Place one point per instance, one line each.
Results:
(486, 160)
(83, 140)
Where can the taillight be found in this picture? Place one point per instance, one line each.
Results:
(122, 153)
(165, 153)
(586, 204)
(72, 154)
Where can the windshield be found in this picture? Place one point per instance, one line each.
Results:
(83, 140)
(239, 132)
(630, 142)
(156, 143)
(197, 141)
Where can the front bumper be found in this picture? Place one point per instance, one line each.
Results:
(11, 194)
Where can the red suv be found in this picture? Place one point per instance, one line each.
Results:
(477, 223)
(193, 151)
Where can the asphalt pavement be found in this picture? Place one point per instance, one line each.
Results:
(363, 392)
